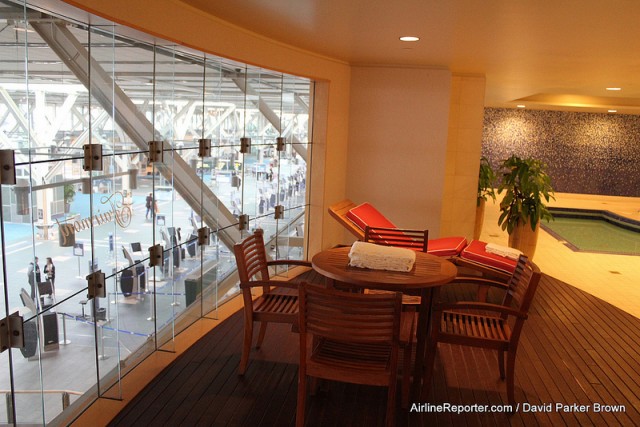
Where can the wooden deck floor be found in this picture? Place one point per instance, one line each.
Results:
(575, 350)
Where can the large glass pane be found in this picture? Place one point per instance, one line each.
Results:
(64, 85)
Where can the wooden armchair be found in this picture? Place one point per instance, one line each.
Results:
(417, 240)
(352, 338)
(397, 237)
(493, 326)
(279, 300)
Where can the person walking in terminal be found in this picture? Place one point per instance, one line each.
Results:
(50, 274)
(149, 206)
(33, 276)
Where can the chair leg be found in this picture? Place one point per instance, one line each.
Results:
(246, 347)
(263, 331)
(511, 364)
(501, 363)
(302, 399)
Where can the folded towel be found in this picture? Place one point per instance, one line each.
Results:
(504, 251)
(377, 257)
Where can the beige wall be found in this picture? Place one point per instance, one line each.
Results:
(397, 142)
(463, 155)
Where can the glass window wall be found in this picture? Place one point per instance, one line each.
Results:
(65, 86)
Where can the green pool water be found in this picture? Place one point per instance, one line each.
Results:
(594, 235)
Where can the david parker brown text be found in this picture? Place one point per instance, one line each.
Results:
(523, 407)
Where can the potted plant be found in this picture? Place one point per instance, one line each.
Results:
(486, 181)
(69, 194)
(528, 189)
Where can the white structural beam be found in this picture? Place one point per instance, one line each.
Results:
(82, 139)
(268, 113)
(20, 118)
(103, 88)
(61, 115)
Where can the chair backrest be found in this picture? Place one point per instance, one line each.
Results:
(522, 287)
(349, 317)
(251, 258)
(402, 238)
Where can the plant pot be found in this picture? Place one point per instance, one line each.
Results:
(477, 230)
(524, 239)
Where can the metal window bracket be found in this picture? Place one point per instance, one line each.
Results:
(92, 157)
(279, 212)
(245, 145)
(96, 285)
(203, 236)
(155, 256)
(7, 167)
(243, 222)
(204, 147)
(11, 332)
(156, 151)
(280, 143)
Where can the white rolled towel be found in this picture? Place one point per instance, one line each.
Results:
(378, 257)
(504, 251)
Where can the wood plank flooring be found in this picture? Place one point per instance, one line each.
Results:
(575, 350)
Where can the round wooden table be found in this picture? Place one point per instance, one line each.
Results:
(428, 274)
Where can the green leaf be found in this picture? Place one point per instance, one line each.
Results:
(526, 185)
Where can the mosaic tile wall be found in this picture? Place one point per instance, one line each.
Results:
(586, 153)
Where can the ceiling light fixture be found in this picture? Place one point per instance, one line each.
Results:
(612, 111)
(409, 38)
(521, 106)
(614, 88)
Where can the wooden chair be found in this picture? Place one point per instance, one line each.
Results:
(352, 338)
(279, 300)
(398, 237)
(401, 238)
(493, 326)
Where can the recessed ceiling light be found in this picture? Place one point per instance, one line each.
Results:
(521, 106)
(614, 88)
(612, 111)
(409, 38)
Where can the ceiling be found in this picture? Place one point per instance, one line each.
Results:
(545, 54)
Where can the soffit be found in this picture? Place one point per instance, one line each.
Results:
(524, 48)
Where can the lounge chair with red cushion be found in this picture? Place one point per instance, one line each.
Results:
(475, 256)
(356, 218)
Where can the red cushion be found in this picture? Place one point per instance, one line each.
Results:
(447, 246)
(476, 251)
(365, 214)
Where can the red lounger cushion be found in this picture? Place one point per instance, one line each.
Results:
(446, 246)
(365, 214)
(476, 251)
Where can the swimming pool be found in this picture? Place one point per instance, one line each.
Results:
(587, 230)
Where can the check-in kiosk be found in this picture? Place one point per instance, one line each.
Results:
(48, 327)
(133, 280)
